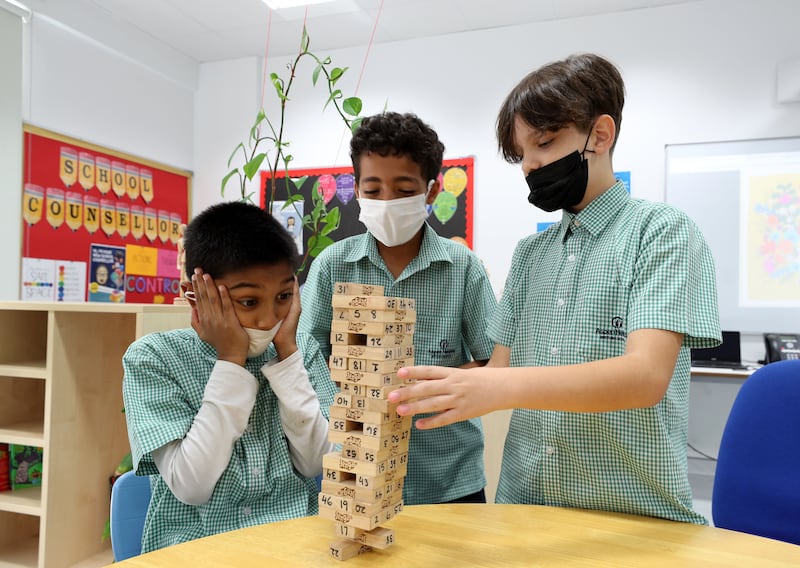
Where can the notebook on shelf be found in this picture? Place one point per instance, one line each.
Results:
(727, 355)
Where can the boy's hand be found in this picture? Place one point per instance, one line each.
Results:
(215, 321)
(285, 340)
(457, 394)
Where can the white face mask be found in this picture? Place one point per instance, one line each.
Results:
(395, 221)
(260, 339)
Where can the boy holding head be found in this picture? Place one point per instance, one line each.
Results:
(597, 317)
(396, 160)
(229, 417)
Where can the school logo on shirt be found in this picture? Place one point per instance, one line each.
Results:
(444, 351)
(616, 331)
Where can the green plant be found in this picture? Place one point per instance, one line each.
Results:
(321, 220)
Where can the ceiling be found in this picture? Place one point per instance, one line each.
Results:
(214, 30)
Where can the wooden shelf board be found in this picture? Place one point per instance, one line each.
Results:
(27, 501)
(98, 560)
(24, 433)
(22, 555)
(24, 369)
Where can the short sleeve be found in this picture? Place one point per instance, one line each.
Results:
(318, 372)
(503, 325)
(156, 408)
(315, 319)
(480, 305)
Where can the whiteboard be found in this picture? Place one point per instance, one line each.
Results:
(745, 197)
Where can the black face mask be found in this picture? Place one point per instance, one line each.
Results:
(561, 184)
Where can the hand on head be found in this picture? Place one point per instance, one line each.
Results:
(215, 321)
(285, 340)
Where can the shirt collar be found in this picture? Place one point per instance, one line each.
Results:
(432, 250)
(599, 213)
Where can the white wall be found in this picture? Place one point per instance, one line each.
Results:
(86, 89)
(698, 71)
(10, 150)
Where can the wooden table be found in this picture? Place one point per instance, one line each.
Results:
(452, 536)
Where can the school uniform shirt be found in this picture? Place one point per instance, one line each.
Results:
(454, 301)
(163, 388)
(574, 293)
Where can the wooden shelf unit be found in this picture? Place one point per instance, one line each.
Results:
(61, 389)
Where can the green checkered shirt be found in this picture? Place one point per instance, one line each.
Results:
(454, 303)
(573, 295)
(165, 377)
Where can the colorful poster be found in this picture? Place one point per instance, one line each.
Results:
(450, 215)
(38, 280)
(77, 196)
(106, 274)
(291, 217)
(770, 247)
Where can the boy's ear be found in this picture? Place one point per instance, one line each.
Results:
(433, 192)
(355, 186)
(605, 132)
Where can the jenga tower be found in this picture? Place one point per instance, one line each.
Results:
(362, 486)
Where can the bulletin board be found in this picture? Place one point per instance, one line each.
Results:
(450, 215)
(98, 225)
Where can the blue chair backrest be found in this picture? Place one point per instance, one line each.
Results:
(757, 481)
(130, 497)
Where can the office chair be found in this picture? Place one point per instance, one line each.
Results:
(757, 482)
(130, 497)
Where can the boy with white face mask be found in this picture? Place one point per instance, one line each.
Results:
(396, 160)
(230, 417)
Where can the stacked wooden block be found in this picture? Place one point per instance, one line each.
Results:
(362, 486)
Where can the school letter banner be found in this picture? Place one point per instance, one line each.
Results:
(98, 225)
(450, 215)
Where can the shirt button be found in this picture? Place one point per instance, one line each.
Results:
(256, 472)
(560, 302)
(554, 351)
(571, 258)
(549, 450)
(246, 510)
(576, 222)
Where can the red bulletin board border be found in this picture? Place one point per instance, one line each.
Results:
(140, 219)
(466, 163)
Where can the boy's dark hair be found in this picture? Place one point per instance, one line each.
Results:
(574, 91)
(234, 236)
(395, 134)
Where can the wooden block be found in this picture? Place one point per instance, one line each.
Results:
(337, 362)
(367, 391)
(344, 549)
(347, 338)
(363, 314)
(336, 461)
(368, 455)
(338, 476)
(360, 377)
(389, 366)
(359, 440)
(342, 400)
(372, 302)
(379, 537)
(390, 340)
(343, 425)
(367, 481)
(372, 328)
(357, 415)
(378, 492)
(380, 405)
(341, 488)
(373, 353)
(366, 522)
(357, 289)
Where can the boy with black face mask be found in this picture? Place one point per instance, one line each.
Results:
(597, 318)
(396, 160)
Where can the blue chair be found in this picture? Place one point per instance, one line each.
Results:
(130, 497)
(757, 481)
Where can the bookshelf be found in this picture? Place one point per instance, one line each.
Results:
(61, 389)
